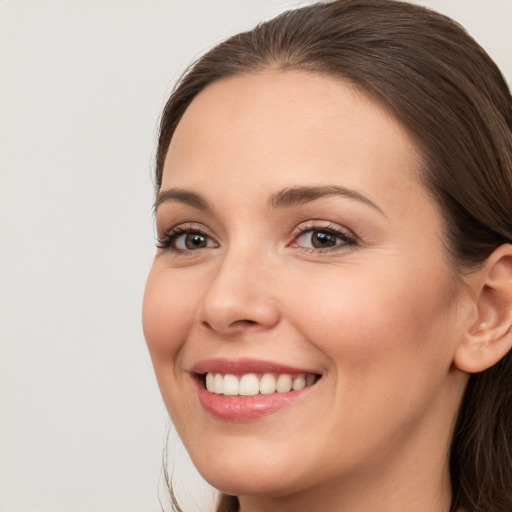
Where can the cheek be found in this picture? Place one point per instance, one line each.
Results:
(372, 321)
(166, 316)
(386, 341)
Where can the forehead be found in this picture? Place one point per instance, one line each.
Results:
(281, 126)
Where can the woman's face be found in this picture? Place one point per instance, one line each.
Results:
(300, 249)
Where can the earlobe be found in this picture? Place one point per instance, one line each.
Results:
(489, 338)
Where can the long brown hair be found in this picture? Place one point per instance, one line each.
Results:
(451, 97)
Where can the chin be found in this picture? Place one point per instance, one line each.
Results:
(251, 483)
(237, 474)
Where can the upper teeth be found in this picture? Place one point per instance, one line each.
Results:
(251, 384)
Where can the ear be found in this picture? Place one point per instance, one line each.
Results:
(489, 337)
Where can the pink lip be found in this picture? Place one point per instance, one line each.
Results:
(244, 408)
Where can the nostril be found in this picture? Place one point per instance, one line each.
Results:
(243, 323)
(237, 324)
(204, 323)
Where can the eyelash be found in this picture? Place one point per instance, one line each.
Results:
(168, 240)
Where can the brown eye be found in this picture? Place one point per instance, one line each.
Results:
(184, 240)
(192, 241)
(323, 239)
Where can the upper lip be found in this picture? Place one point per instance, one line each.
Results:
(242, 366)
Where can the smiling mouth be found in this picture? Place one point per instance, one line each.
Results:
(252, 384)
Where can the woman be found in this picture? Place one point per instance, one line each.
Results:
(329, 311)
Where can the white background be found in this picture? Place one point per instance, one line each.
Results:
(82, 84)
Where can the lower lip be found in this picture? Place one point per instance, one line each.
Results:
(245, 408)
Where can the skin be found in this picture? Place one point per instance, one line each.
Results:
(380, 319)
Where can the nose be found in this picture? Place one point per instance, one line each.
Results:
(239, 297)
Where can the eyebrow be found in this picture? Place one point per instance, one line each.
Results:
(294, 196)
(181, 196)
